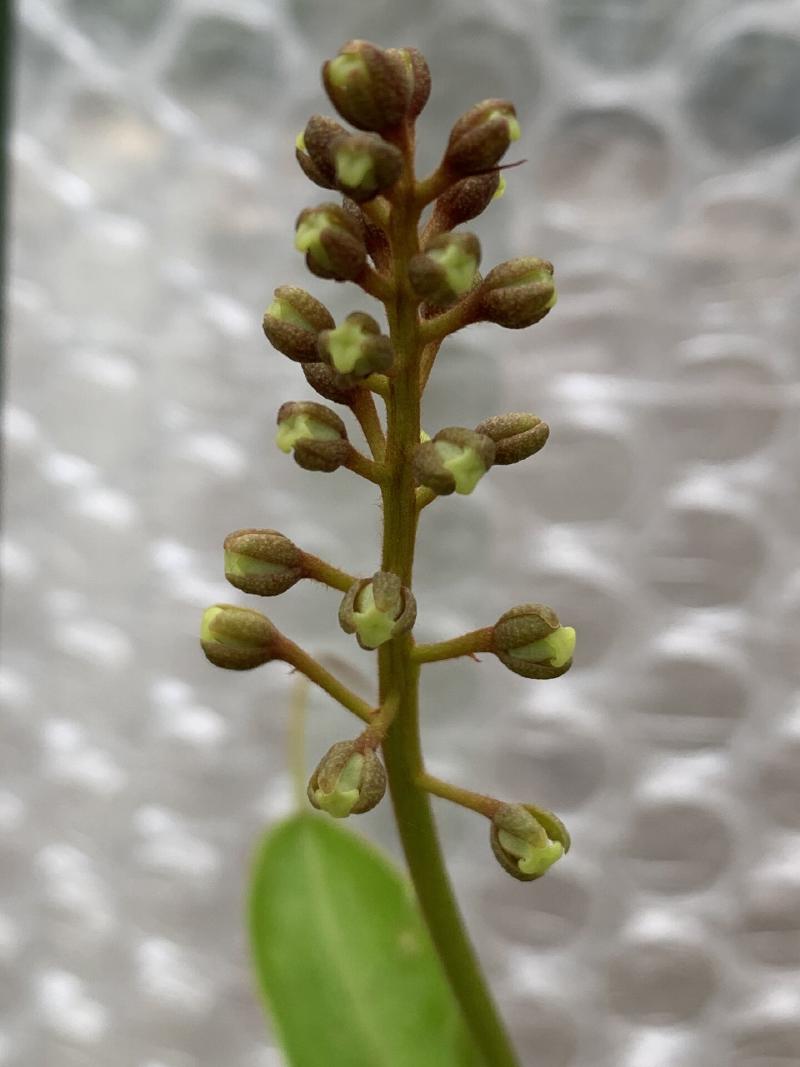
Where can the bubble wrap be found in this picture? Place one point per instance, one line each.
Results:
(154, 189)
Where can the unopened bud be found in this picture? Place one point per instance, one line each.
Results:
(237, 638)
(531, 641)
(516, 436)
(527, 841)
(454, 461)
(518, 293)
(332, 241)
(340, 388)
(293, 322)
(312, 150)
(447, 269)
(316, 434)
(375, 239)
(347, 781)
(418, 75)
(481, 137)
(464, 201)
(377, 609)
(263, 562)
(364, 165)
(368, 86)
(356, 347)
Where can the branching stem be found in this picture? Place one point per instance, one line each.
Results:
(398, 672)
(316, 673)
(464, 645)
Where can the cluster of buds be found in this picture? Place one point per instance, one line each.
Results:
(379, 93)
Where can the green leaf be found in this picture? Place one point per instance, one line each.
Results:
(343, 958)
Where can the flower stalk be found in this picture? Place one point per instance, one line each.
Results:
(426, 278)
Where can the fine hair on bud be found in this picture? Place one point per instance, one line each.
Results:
(516, 435)
(454, 461)
(263, 562)
(463, 201)
(518, 293)
(527, 840)
(237, 639)
(368, 86)
(531, 642)
(314, 433)
(348, 780)
(333, 242)
(481, 137)
(293, 321)
(313, 150)
(377, 609)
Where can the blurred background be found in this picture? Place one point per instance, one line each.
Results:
(154, 189)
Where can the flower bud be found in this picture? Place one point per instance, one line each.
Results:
(333, 242)
(293, 321)
(312, 150)
(340, 388)
(518, 293)
(356, 347)
(368, 86)
(364, 165)
(531, 641)
(377, 609)
(481, 137)
(347, 781)
(316, 434)
(237, 638)
(375, 239)
(464, 201)
(263, 562)
(454, 461)
(418, 75)
(446, 270)
(516, 436)
(527, 841)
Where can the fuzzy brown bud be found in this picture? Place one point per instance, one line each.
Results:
(377, 609)
(237, 639)
(293, 322)
(348, 780)
(481, 137)
(464, 201)
(375, 239)
(368, 86)
(333, 242)
(454, 461)
(516, 435)
(364, 165)
(340, 388)
(518, 293)
(530, 641)
(418, 75)
(312, 150)
(315, 434)
(263, 562)
(527, 841)
(446, 269)
(356, 347)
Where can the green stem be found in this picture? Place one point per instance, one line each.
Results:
(464, 645)
(398, 673)
(319, 571)
(316, 673)
(366, 468)
(465, 798)
(367, 414)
